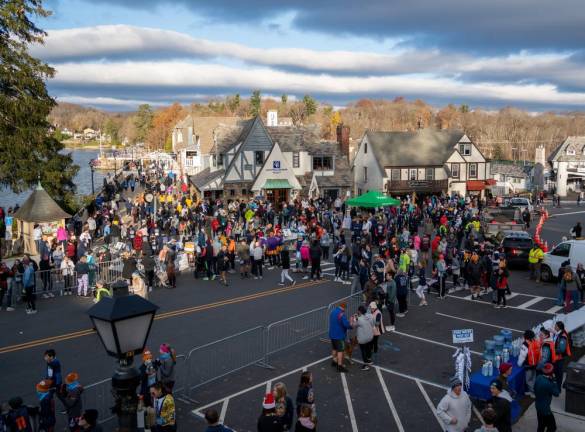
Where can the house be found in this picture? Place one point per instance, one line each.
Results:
(89, 133)
(510, 178)
(426, 161)
(277, 162)
(192, 139)
(567, 165)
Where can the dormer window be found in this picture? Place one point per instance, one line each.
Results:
(570, 151)
(465, 149)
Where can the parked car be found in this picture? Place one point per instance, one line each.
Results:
(520, 203)
(573, 250)
(517, 245)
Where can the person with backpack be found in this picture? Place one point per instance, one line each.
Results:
(165, 366)
(70, 397)
(18, 417)
(529, 358)
(562, 349)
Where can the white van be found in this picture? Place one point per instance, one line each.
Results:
(573, 250)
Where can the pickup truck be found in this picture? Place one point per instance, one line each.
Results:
(496, 221)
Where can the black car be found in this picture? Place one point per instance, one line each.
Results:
(517, 245)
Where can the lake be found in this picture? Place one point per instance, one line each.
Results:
(82, 179)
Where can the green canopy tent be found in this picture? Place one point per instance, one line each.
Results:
(373, 199)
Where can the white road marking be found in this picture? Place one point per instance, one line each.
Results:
(352, 420)
(489, 303)
(530, 302)
(268, 387)
(224, 410)
(565, 214)
(554, 309)
(478, 322)
(430, 341)
(429, 402)
(389, 400)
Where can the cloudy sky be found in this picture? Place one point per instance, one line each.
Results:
(116, 54)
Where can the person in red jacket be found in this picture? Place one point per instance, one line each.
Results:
(502, 285)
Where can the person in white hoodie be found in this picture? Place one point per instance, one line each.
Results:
(454, 410)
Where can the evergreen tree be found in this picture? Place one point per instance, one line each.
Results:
(310, 105)
(255, 101)
(28, 149)
(143, 122)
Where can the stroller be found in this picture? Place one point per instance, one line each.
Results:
(160, 276)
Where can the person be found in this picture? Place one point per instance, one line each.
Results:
(148, 375)
(501, 403)
(68, 271)
(164, 409)
(576, 230)
(223, 262)
(269, 421)
(165, 366)
(364, 326)
(258, 255)
(545, 388)
(138, 285)
(213, 424)
(88, 421)
(18, 416)
(28, 283)
(338, 327)
(6, 277)
(454, 409)
(315, 253)
(547, 348)
(402, 282)
(562, 351)
(284, 405)
(489, 417)
(390, 299)
(243, 252)
(535, 257)
(305, 393)
(70, 397)
(53, 369)
(47, 419)
(306, 421)
(378, 326)
(571, 282)
(529, 358)
(422, 283)
(501, 285)
(505, 370)
(441, 267)
(285, 262)
(82, 270)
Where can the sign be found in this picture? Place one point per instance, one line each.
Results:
(462, 336)
(276, 164)
(191, 153)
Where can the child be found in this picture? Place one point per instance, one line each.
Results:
(306, 421)
(422, 283)
(305, 394)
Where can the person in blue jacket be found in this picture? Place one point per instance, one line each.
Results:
(545, 387)
(338, 327)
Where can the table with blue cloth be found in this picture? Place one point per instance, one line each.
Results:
(479, 386)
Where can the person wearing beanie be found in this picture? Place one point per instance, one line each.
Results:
(269, 421)
(46, 417)
(545, 388)
(338, 327)
(501, 402)
(454, 410)
(505, 372)
(148, 374)
(70, 397)
(89, 421)
(165, 366)
(18, 417)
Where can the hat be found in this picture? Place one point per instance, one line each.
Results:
(505, 367)
(71, 377)
(373, 305)
(497, 384)
(44, 386)
(343, 305)
(146, 355)
(164, 348)
(454, 382)
(548, 369)
(91, 416)
(268, 402)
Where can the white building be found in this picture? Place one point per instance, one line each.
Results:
(510, 178)
(425, 161)
(567, 163)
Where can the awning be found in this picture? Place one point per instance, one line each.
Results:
(491, 182)
(373, 199)
(475, 185)
(277, 184)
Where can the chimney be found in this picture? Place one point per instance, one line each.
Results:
(343, 139)
(272, 118)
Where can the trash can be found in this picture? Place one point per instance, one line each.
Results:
(575, 389)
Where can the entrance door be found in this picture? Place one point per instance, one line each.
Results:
(277, 196)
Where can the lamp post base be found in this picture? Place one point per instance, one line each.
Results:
(124, 382)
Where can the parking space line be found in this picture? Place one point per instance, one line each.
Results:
(268, 387)
(530, 302)
(554, 309)
(354, 427)
(509, 307)
(478, 322)
(431, 341)
(224, 410)
(389, 399)
(429, 402)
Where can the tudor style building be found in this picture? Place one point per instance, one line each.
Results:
(425, 161)
(278, 162)
(567, 165)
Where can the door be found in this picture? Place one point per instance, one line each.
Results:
(557, 256)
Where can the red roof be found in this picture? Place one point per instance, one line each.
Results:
(475, 185)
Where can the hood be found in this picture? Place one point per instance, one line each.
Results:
(505, 395)
(452, 394)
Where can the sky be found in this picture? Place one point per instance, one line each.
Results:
(117, 54)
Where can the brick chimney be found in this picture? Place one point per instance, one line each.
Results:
(343, 139)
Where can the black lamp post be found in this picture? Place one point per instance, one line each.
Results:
(91, 167)
(123, 324)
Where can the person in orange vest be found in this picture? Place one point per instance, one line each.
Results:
(562, 351)
(547, 349)
(529, 358)
(231, 247)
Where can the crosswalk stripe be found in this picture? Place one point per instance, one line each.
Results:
(530, 302)
(554, 309)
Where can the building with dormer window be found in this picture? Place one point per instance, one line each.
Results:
(567, 165)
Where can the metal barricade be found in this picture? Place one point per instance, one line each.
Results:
(217, 359)
(108, 271)
(180, 375)
(100, 397)
(352, 303)
(300, 328)
(54, 282)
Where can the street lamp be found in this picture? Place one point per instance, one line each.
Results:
(91, 167)
(123, 324)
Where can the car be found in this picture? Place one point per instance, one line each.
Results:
(521, 203)
(517, 245)
(573, 250)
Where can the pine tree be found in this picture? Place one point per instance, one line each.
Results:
(28, 150)
(255, 102)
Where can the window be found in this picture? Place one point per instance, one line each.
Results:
(570, 151)
(412, 174)
(395, 174)
(296, 160)
(365, 148)
(429, 174)
(213, 160)
(455, 170)
(365, 174)
(562, 250)
(232, 192)
(220, 160)
(244, 192)
(465, 149)
(180, 136)
(472, 170)
(259, 157)
(322, 163)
